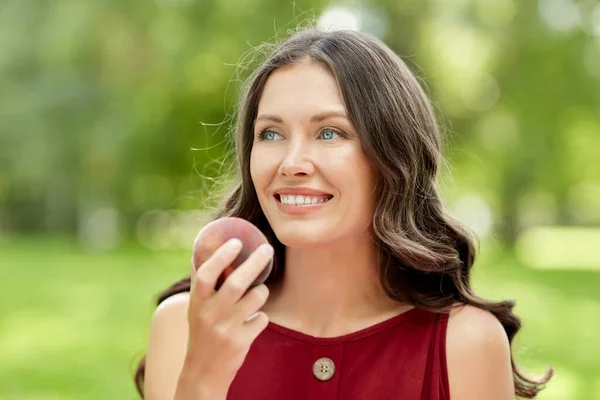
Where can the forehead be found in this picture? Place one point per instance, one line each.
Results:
(306, 87)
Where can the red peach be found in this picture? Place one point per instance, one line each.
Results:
(217, 232)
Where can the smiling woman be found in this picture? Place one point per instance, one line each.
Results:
(338, 151)
(308, 138)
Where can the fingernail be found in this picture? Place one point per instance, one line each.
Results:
(266, 249)
(234, 243)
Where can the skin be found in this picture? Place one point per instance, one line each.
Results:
(329, 251)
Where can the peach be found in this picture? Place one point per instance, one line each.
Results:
(217, 232)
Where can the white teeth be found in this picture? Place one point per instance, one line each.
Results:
(302, 200)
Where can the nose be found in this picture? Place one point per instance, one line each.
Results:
(297, 161)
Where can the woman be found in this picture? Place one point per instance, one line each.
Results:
(369, 297)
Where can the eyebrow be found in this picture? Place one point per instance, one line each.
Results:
(315, 118)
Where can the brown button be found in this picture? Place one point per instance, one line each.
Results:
(323, 369)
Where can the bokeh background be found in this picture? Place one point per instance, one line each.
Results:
(113, 129)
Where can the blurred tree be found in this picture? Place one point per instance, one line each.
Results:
(102, 102)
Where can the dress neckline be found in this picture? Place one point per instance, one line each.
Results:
(362, 333)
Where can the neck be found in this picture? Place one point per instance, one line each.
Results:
(331, 289)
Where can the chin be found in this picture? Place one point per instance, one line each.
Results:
(298, 242)
(299, 238)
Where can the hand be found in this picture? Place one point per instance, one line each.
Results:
(220, 328)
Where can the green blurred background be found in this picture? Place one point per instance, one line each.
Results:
(113, 122)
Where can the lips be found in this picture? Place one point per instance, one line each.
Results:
(299, 209)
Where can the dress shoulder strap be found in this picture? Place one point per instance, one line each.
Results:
(435, 385)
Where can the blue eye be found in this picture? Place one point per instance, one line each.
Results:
(327, 134)
(267, 135)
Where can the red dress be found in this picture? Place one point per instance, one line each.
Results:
(402, 358)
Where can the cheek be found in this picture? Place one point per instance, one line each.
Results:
(261, 168)
(255, 169)
(350, 171)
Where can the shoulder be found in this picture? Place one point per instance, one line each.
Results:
(472, 324)
(176, 304)
(478, 356)
(166, 346)
(170, 316)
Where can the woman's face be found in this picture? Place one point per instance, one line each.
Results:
(303, 139)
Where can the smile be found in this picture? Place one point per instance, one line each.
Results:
(303, 200)
(301, 205)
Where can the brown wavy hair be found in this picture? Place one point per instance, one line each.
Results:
(426, 256)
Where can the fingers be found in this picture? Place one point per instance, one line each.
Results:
(205, 278)
(251, 303)
(255, 325)
(240, 280)
(232, 302)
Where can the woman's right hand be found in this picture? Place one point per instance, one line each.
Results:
(220, 328)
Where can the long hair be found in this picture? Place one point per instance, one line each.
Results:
(425, 255)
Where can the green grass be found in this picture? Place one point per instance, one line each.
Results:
(72, 323)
